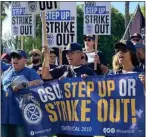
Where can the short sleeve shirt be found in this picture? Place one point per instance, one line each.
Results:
(10, 111)
(71, 72)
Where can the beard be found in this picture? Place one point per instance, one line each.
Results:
(35, 61)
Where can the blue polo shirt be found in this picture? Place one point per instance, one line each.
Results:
(10, 111)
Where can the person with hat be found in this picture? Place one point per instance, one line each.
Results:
(140, 51)
(136, 38)
(11, 118)
(5, 57)
(125, 59)
(89, 42)
(74, 55)
(36, 56)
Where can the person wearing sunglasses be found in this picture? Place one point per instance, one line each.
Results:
(36, 56)
(125, 59)
(89, 42)
(136, 38)
(11, 118)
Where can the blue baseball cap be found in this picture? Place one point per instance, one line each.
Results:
(92, 37)
(74, 47)
(139, 45)
(130, 46)
(20, 52)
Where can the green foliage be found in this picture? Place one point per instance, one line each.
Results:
(31, 43)
(143, 10)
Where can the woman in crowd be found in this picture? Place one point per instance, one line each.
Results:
(125, 60)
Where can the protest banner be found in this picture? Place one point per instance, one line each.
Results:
(35, 7)
(61, 25)
(104, 105)
(97, 18)
(22, 21)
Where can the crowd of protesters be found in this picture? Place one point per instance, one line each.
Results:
(77, 62)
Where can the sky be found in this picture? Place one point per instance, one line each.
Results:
(118, 5)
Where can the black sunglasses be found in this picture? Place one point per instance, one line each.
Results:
(34, 55)
(121, 49)
(136, 40)
(17, 56)
(87, 39)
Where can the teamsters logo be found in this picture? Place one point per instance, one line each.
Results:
(32, 114)
(32, 6)
(50, 38)
(89, 28)
(30, 108)
(15, 30)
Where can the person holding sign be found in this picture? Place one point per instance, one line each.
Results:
(74, 56)
(14, 79)
(75, 68)
(89, 42)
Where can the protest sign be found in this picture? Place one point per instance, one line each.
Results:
(22, 21)
(103, 105)
(61, 25)
(35, 7)
(97, 18)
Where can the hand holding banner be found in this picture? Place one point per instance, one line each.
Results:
(104, 105)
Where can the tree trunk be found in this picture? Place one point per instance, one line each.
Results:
(127, 18)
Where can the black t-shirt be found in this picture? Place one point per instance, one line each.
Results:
(36, 68)
(69, 71)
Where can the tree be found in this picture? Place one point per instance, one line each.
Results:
(3, 5)
(143, 10)
(36, 42)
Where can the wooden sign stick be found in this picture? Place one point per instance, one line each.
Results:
(45, 42)
(96, 45)
(60, 56)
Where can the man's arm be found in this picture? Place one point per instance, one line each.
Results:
(45, 66)
(34, 83)
(100, 62)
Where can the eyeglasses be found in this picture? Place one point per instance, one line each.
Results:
(17, 56)
(136, 40)
(34, 55)
(121, 49)
(87, 39)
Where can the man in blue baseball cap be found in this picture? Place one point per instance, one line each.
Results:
(74, 55)
(11, 115)
(76, 68)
